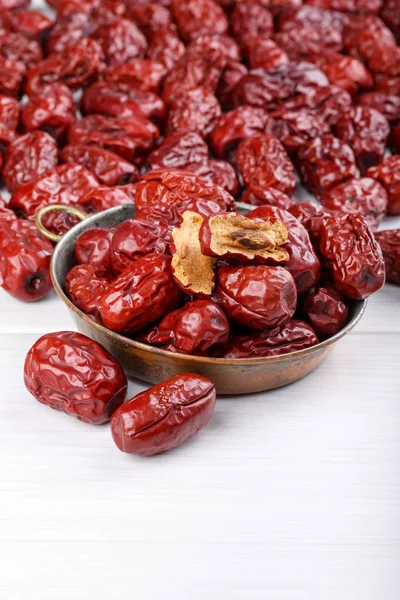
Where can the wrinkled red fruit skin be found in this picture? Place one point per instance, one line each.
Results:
(311, 216)
(326, 310)
(179, 150)
(167, 187)
(114, 100)
(388, 175)
(199, 328)
(143, 74)
(241, 123)
(94, 247)
(84, 287)
(109, 168)
(131, 241)
(24, 260)
(389, 242)
(353, 255)
(52, 109)
(292, 337)
(325, 162)
(303, 263)
(264, 161)
(102, 198)
(28, 158)
(121, 41)
(63, 185)
(76, 66)
(196, 17)
(9, 117)
(142, 294)
(361, 196)
(166, 218)
(260, 196)
(257, 297)
(71, 373)
(164, 416)
(218, 172)
(130, 137)
(366, 131)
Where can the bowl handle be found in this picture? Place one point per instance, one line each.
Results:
(55, 208)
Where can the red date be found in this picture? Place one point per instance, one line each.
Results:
(102, 198)
(233, 127)
(168, 187)
(326, 310)
(94, 247)
(28, 158)
(361, 196)
(325, 162)
(121, 41)
(196, 17)
(366, 131)
(219, 172)
(388, 174)
(179, 150)
(131, 241)
(264, 161)
(292, 337)
(63, 185)
(109, 168)
(164, 416)
(197, 110)
(113, 100)
(142, 294)
(303, 262)
(9, 117)
(258, 297)
(84, 287)
(389, 242)
(199, 328)
(129, 137)
(353, 255)
(12, 73)
(71, 373)
(51, 109)
(15, 46)
(143, 74)
(24, 260)
(260, 196)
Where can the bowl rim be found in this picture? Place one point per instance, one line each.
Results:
(85, 225)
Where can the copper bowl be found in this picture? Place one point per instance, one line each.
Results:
(233, 377)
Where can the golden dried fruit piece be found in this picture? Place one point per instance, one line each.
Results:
(231, 235)
(192, 270)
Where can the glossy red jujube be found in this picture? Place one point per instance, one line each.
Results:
(258, 297)
(389, 242)
(71, 373)
(199, 328)
(142, 294)
(164, 416)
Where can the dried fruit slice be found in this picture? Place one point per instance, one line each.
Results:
(193, 271)
(230, 235)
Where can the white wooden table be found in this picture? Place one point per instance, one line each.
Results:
(288, 495)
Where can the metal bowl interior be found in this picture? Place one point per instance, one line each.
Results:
(233, 377)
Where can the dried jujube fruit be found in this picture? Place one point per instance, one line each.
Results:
(292, 337)
(352, 254)
(260, 196)
(71, 373)
(389, 242)
(164, 416)
(199, 328)
(234, 236)
(132, 240)
(326, 310)
(94, 247)
(258, 297)
(84, 287)
(141, 295)
(193, 271)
